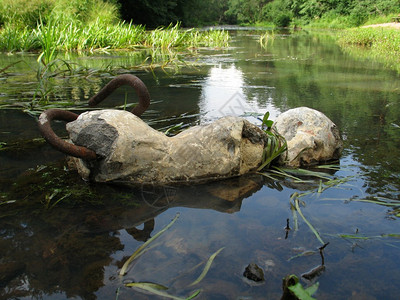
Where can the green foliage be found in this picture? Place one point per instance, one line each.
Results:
(333, 13)
(282, 20)
(382, 43)
(244, 11)
(155, 13)
(297, 290)
(52, 36)
(278, 12)
(22, 13)
(200, 12)
(29, 13)
(265, 39)
(275, 146)
(382, 40)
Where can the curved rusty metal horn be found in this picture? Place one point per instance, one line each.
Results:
(125, 79)
(47, 132)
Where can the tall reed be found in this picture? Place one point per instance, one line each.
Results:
(54, 35)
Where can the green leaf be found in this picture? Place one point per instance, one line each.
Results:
(265, 122)
(301, 293)
(147, 285)
(159, 290)
(266, 116)
(312, 289)
(207, 267)
(296, 202)
(139, 251)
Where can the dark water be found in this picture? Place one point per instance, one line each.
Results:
(64, 238)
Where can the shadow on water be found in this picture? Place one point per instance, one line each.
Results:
(63, 238)
(52, 251)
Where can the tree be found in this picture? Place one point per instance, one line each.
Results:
(245, 11)
(152, 13)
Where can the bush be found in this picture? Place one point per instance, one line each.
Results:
(24, 13)
(30, 13)
(282, 20)
(278, 12)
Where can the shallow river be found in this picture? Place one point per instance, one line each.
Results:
(64, 238)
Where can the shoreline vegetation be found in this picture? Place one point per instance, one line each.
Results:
(379, 42)
(50, 26)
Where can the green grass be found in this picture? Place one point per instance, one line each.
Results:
(53, 36)
(381, 43)
(50, 26)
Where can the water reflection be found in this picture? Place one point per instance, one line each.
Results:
(49, 252)
(73, 247)
(225, 92)
(222, 93)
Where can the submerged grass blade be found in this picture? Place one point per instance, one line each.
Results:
(147, 285)
(140, 249)
(207, 267)
(296, 201)
(295, 221)
(305, 172)
(159, 290)
(305, 253)
(360, 237)
(390, 202)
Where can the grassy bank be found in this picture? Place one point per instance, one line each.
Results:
(381, 43)
(62, 37)
(74, 36)
(49, 26)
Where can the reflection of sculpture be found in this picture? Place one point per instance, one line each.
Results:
(58, 251)
(144, 234)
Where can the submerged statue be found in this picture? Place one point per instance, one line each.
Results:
(114, 145)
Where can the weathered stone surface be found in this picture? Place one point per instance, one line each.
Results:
(311, 137)
(132, 151)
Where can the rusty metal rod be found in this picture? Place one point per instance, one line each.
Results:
(125, 79)
(47, 132)
(57, 114)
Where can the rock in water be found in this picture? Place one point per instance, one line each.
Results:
(131, 151)
(311, 137)
(254, 272)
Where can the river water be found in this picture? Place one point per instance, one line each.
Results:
(64, 238)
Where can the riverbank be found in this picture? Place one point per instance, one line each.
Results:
(378, 41)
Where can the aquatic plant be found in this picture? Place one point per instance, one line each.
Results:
(207, 267)
(158, 289)
(265, 39)
(141, 249)
(293, 289)
(276, 144)
(296, 200)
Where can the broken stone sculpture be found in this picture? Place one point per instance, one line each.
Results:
(114, 145)
(129, 150)
(311, 137)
